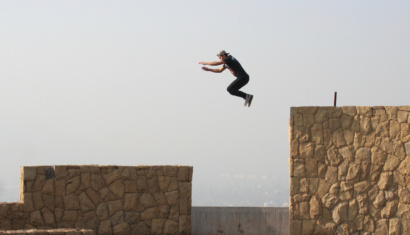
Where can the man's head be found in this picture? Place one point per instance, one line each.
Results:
(222, 54)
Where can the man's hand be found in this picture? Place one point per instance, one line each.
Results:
(204, 63)
(206, 68)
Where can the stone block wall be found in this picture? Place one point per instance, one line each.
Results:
(106, 199)
(349, 170)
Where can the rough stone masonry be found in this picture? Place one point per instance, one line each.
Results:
(104, 199)
(350, 170)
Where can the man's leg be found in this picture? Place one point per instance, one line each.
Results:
(234, 87)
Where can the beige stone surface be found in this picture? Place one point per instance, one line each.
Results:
(171, 227)
(350, 170)
(105, 199)
(340, 213)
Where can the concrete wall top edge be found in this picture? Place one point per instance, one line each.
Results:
(241, 207)
(221, 210)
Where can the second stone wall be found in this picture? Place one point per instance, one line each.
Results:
(350, 170)
(106, 199)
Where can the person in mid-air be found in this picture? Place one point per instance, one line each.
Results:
(242, 78)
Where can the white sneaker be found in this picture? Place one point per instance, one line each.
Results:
(246, 100)
(249, 100)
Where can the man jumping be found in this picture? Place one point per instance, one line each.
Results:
(242, 78)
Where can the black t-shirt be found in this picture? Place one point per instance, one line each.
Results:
(234, 66)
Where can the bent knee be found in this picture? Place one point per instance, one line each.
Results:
(230, 90)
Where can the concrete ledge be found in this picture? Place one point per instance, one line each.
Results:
(240, 220)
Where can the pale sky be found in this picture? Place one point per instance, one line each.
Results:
(118, 82)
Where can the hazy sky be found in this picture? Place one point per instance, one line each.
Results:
(118, 82)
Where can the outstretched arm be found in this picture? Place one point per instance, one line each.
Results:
(214, 63)
(220, 70)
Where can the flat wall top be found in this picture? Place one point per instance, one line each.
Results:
(63, 171)
(351, 110)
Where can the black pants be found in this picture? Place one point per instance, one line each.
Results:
(239, 82)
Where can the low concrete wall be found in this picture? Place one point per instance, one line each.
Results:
(240, 220)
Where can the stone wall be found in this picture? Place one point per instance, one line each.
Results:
(106, 199)
(350, 170)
